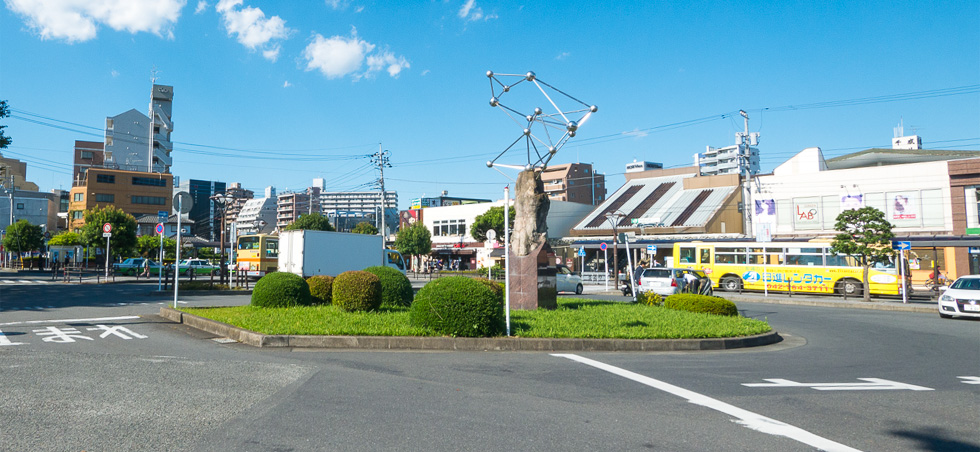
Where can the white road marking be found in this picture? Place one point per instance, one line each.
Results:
(872, 384)
(5, 341)
(970, 380)
(744, 417)
(98, 319)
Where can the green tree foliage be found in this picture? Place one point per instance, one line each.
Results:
(66, 238)
(866, 235)
(414, 240)
(23, 236)
(311, 222)
(123, 229)
(4, 112)
(491, 219)
(365, 228)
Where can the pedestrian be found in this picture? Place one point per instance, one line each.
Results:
(146, 267)
(691, 283)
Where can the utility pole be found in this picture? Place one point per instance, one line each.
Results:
(381, 159)
(745, 169)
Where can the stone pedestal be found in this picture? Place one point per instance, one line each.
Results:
(533, 283)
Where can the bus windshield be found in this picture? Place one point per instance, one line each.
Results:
(248, 243)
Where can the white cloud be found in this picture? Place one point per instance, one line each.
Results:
(563, 55)
(340, 56)
(254, 30)
(114, 73)
(286, 84)
(472, 13)
(636, 133)
(202, 5)
(337, 4)
(78, 20)
(425, 72)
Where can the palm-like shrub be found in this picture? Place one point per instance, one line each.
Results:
(396, 289)
(357, 291)
(280, 289)
(460, 306)
(321, 287)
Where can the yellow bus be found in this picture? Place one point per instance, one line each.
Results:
(258, 254)
(807, 267)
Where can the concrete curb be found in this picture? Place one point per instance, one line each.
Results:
(917, 307)
(465, 343)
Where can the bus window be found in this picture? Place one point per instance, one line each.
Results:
(705, 255)
(730, 255)
(840, 260)
(248, 243)
(687, 255)
(395, 258)
(271, 248)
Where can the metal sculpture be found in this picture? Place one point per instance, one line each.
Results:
(568, 122)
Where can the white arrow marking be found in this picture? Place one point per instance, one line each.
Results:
(97, 319)
(871, 385)
(970, 380)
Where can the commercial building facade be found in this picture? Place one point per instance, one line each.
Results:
(136, 193)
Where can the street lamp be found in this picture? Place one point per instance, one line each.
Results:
(613, 218)
(221, 200)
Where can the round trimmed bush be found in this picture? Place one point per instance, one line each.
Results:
(320, 288)
(396, 289)
(701, 303)
(357, 291)
(280, 289)
(460, 306)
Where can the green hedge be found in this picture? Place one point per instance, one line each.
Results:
(701, 303)
(460, 306)
(321, 287)
(357, 291)
(280, 289)
(650, 298)
(396, 289)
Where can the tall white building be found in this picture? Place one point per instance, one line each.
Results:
(726, 160)
(127, 135)
(346, 209)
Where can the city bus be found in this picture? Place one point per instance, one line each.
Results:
(258, 254)
(806, 267)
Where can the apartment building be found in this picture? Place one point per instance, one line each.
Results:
(574, 182)
(134, 192)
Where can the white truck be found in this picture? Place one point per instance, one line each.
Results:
(308, 253)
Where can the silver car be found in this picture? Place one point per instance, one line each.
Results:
(659, 280)
(567, 281)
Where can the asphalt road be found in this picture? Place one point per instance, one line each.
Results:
(93, 368)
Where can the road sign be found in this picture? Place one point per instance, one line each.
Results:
(651, 249)
(901, 246)
(184, 200)
(581, 251)
(159, 228)
(106, 234)
(558, 260)
(603, 246)
(491, 235)
(162, 216)
(107, 228)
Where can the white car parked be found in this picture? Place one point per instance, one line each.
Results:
(568, 281)
(962, 298)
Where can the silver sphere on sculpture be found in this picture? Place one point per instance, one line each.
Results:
(537, 111)
(528, 167)
(552, 150)
(572, 126)
(489, 73)
(593, 109)
(529, 118)
(527, 131)
(571, 134)
(489, 164)
(506, 89)
(494, 102)
(529, 76)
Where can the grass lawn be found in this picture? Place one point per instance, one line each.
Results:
(574, 318)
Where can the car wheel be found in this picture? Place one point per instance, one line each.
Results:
(849, 286)
(731, 284)
(945, 316)
(578, 289)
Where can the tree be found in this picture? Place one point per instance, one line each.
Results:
(414, 240)
(66, 238)
(365, 228)
(23, 237)
(491, 219)
(866, 235)
(4, 112)
(311, 222)
(123, 229)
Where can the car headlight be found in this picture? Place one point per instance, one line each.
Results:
(946, 298)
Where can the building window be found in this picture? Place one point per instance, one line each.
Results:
(108, 123)
(77, 215)
(20, 206)
(151, 181)
(108, 140)
(79, 197)
(151, 200)
(104, 197)
(106, 178)
(87, 155)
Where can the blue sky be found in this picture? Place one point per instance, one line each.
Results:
(278, 93)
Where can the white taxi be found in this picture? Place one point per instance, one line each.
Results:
(962, 298)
